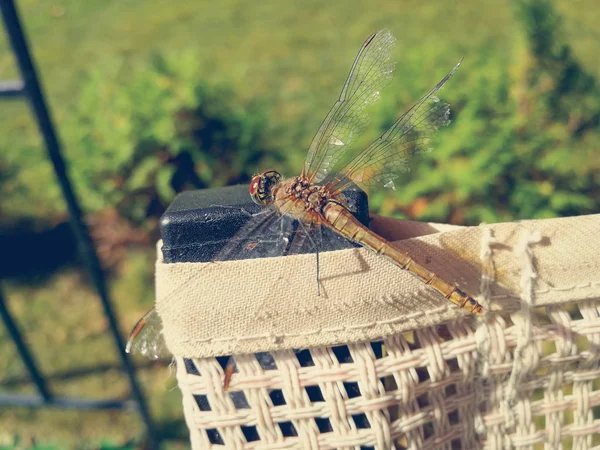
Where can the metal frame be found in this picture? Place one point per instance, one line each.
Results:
(30, 88)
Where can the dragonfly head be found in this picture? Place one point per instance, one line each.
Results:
(261, 187)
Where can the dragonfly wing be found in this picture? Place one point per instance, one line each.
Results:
(266, 234)
(381, 162)
(347, 119)
(287, 236)
(146, 338)
(306, 239)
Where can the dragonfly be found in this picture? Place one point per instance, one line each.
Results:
(297, 210)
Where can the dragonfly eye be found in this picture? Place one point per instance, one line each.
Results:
(261, 187)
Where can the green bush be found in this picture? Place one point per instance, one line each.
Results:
(522, 144)
(139, 135)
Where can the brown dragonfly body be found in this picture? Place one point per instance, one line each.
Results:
(314, 199)
(342, 221)
(324, 205)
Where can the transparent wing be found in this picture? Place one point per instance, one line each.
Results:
(146, 338)
(307, 238)
(301, 240)
(381, 162)
(347, 119)
(266, 234)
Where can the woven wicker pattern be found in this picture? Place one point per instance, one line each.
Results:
(525, 380)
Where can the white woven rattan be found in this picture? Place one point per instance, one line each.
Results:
(525, 376)
(525, 380)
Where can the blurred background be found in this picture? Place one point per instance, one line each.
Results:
(153, 97)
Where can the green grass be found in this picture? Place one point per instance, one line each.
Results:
(284, 50)
(63, 322)
(295, 55)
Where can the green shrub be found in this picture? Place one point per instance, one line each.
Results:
(522, 144)
(141, 134)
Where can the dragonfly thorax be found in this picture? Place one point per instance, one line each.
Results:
(300, 198)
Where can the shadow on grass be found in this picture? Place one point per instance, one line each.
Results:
(173, 429)
(79, 372)
(34, 254)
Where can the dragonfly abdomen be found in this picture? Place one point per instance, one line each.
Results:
(342, 221)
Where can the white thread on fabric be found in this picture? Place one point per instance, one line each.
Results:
(524, 358)
(589, 284)
(487, 263)
(482, 334)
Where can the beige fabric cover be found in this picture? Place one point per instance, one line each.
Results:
(241, 307)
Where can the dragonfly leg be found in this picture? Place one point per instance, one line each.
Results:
(309, 233)
(318, 268)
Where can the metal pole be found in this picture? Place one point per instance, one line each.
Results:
(88, 252)
(23, 350)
